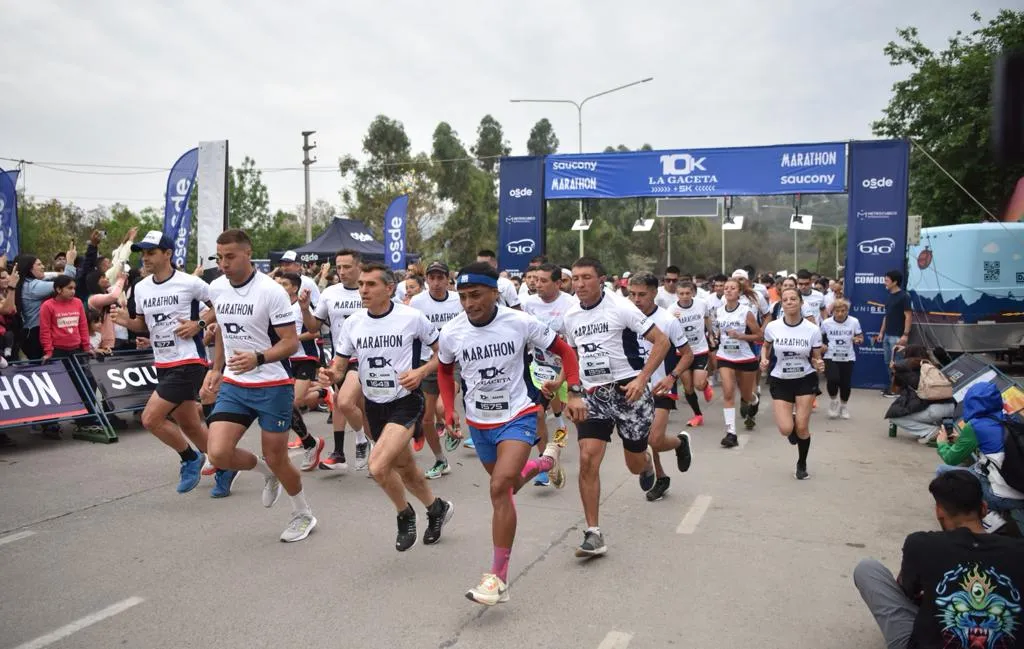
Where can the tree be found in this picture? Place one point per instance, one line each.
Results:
(542, 139)
(375, 182)
(944, 106)
(248, 202)
(490, 144)
(471, 221)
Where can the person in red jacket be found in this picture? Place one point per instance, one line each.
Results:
(63, 328)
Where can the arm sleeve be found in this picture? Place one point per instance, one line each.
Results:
(856, 327)
(766, 335)
(425, 331)
(816, 339)
(83, 328)
(633, 319)
(508, 293)
(281, 312)
(909, 577)
(676, 335)
(343, 346)
(320, 311)
(446, 386)
(202, 291)
(46, 328)
(570, 364)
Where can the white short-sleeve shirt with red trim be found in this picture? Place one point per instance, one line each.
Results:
(246, 319)
(493, 359)
(164, 305)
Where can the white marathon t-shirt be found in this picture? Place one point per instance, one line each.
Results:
(673, 329)
(693, 320)
(792, 347)
(492, 359)
(307, 283)
(246, 318)
(164, 305)
(308, 349)
(438, 312)
(337, 303)
(816, 302)
(838, 336)
(547, 365)
(605, 338)
(507, 293)
(733, 349)
(386, 346)
(664, 299)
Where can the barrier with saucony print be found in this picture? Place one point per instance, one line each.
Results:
(874, 173)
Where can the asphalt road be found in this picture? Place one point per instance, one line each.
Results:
(98, 551)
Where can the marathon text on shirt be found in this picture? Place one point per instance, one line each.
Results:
(490, 350)
(590, 329)
(160, 300)
(236, 308)
(379, 342)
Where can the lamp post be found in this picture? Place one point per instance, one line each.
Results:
(579, 119)
(837, 229)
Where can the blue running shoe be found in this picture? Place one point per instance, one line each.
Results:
(647, 480)
(542, 479)
(223, 479)
(191, 472)
(468, 443)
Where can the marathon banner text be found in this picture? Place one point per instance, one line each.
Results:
(37, 393)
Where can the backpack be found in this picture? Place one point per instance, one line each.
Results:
(933, 385)
(1012, 468)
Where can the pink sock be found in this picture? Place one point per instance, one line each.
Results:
(542, 463)
(500, 564)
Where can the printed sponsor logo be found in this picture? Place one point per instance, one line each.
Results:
(521, 247)
(520, 192)
(868, 278)
(867, 215)
(530, 218)
(681, 164)
(361, 236)
(877, 183)
(571, 165)
(808, 179)
(880, 246)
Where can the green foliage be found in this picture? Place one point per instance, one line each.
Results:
(542, 139)
(248, 202)
(490, 144)
(944, 106)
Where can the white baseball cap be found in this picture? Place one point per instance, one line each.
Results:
(740, 273)
(289, 255)
(626, 275)
(566, 273)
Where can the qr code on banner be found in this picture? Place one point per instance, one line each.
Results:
(1020, 278)
(991, 269)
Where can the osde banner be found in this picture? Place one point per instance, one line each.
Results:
(521, 211)
(876, 243)
(750, 171)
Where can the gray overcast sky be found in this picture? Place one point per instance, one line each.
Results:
(139, 83)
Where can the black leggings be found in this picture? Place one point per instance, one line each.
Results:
(839, 375)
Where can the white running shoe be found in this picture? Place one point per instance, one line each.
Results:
(299, 528)
(491, 590)
(271, 490)
(833, 409)
(844, 411)
(311, 456)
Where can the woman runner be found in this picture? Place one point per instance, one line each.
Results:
(795, 344)
(839, 334)
(736, 328)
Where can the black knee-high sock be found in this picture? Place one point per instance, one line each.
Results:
(802, 447)
(299, 426)
(339, 441)
(694, 404)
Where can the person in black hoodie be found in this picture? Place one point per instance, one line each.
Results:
(920, 417)
(956, 588)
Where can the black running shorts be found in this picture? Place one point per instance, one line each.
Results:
(407, 412)
(180, 384)
(789, 389)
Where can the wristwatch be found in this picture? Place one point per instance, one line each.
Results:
(260, 359)
(576, 389)
(202, 324)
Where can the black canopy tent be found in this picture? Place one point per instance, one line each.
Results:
(340, 234)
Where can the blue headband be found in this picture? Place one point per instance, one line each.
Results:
(475, 278)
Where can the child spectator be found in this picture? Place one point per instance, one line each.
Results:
(63, 329)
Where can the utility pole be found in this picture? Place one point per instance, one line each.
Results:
(306, 148)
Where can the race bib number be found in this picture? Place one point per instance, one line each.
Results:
(730, 344)
(492, 406)
(163, 338)
(544, 373)
(793, 366)
(380, 384)
(597, 369)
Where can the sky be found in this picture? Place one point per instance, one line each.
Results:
(135, 84)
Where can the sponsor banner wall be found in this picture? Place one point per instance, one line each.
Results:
(35, 393)
(789, 169)
(124, 381)
(521, 212)
(876, 243)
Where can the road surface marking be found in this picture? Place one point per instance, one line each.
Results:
(78, 625)
(693, 516)
(17, 536)
(615, 640)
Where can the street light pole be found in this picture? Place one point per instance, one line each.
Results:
(579, 121)
(306, 161)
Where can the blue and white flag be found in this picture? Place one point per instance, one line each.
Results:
(177, 215)
(9, 214)
(394, 232)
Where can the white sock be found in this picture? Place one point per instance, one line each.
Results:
(559, 422)
(730, 419)
(299, 504)
(263, 467)
(360, 436)
(439, 456)
(595, 529)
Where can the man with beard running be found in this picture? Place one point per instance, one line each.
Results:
(491, 343)
(256, 338)
(166, 304)
(604, 332)
(389, 337)
(643, 287)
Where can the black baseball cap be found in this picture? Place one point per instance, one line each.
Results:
(154, 239)
(438, 267)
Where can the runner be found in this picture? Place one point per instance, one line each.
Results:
(388, 337)
(840, 334)
(305, 362)
(736, 328)
(796, 345)
(695, 317)
(337, 303)
(667, 293)
(290, 264)
(549, 305)
(166, 304)
(439, 305)
(815, 300)
(617, 394)
(491, 344)
(643, 287)
(256, 327)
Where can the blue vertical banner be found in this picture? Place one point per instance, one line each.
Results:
(521, 212)
(177, 215)
(876, 243)
(9, 235)
(394, 232)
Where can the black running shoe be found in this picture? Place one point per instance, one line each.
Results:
(730, 441)
(684, 455)
(801, 472)
(439, 513)
(793, 439)
(406, 530)
(659, 489)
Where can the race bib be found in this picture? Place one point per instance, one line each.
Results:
(597, 369)
(544, 373)
(380, 384)
(842, 354)
(162, 339)
(492, 406)
(793, 366)
(731, 344)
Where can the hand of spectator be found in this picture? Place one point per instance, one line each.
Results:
(130, 235)
(941, 438)
(304, 296)
(47, 357)
(106, 351)
(95, 238)
(3, 261)
(198, 272)
(13, 277)
(72, 254)
(325, 268)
